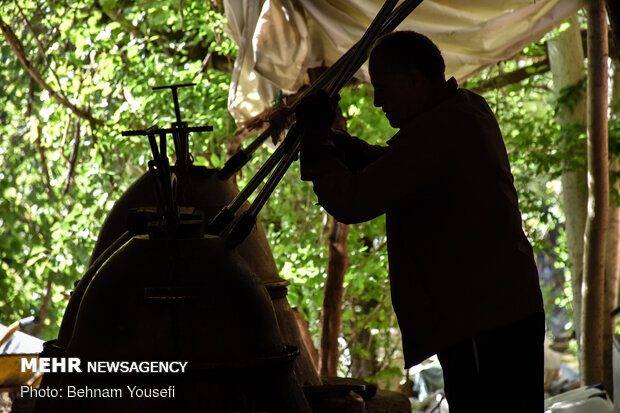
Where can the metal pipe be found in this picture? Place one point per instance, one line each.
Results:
(237, 161)
(227, 214)
(386, 20)
(141, 132)
(243, 227)
(350, 57)
(360, 49)
(399, 15)
(277, 175)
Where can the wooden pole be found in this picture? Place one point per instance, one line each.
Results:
(332, 301)
(612, 262)
(567, 61)
(593, 288)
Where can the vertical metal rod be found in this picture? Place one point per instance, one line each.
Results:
(162, 145)
(177, 109)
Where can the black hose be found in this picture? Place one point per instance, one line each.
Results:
(386, 20)
(236, 162)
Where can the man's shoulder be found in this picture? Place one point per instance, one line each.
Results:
(467, 99)
(467, 109)
(458, 110)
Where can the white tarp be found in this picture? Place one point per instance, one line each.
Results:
(279, 39)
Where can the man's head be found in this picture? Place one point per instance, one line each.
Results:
(407, 72)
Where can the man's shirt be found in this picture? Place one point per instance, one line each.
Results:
(459, 260)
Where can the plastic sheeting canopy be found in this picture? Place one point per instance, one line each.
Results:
(280, 39)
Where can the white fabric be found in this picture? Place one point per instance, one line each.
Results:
(20, 343)
(279, 39)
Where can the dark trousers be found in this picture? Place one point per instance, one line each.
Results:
(499, 370)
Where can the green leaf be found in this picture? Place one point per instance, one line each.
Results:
(107, 5)
(80, 41)
(347, 314)
(215, 160)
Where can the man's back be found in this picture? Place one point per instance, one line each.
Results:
(462, 273)
(459, 261)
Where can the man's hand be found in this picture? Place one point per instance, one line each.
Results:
(315, 115)
(317, 110)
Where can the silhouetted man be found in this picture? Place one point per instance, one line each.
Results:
(463, 278)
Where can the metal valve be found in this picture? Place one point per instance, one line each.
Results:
(179, 129)
(170, 183)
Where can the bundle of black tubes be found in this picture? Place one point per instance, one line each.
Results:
(331, 81)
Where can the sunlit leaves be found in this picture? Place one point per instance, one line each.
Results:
(60, 176)
(105, 56)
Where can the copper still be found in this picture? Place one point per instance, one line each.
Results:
(164, 290)
(188, 298)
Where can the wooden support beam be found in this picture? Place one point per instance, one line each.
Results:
(593, 288)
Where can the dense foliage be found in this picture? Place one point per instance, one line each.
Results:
(64, 167)
(65, 162)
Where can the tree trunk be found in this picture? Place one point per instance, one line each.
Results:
(593, 289)
(612, 258)
(337, 262)
(332, 301)
(612, 267)
(567, 65)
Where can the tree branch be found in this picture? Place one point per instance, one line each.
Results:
(543, 66)
(162, 41)
(46, 173)
(30, 98)
(19, 52)
(45, 305)
(513, 77)
(371, 316)
(42, 49)
(74, 155)
(65, 136)
(197, 51)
